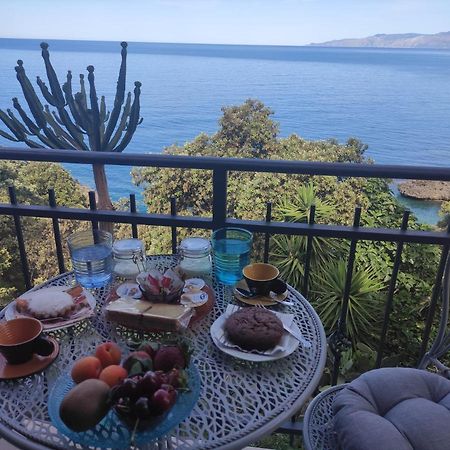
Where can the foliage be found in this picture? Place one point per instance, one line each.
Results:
(247, 130)
(32, 181)
(247, 193)
(364, 306)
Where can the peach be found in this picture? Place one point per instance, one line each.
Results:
(86, 368)
(109, 354)
(113, 375)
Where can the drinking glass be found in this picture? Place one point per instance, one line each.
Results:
(91, 254)
(231, 250)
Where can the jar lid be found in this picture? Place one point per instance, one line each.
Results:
(128, 247)
(195, 246)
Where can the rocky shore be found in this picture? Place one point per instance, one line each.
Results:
(425, 190)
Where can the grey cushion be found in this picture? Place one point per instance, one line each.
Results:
(394, 409)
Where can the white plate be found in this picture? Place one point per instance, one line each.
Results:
(216, 331)
(12, 313)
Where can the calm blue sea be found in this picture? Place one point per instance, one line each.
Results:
(396, 101)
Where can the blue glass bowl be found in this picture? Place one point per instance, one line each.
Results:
(111, 431)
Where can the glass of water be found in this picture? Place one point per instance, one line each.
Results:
(231, 250)
(91, 254)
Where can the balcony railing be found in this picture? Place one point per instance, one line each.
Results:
(220, 168)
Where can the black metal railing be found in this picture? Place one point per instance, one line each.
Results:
(220, 168)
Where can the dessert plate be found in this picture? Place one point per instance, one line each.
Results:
(288, 343)
(57, 322)
(111, 432)
(36, 364)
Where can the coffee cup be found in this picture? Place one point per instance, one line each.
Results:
(21, 338)
(262, 278)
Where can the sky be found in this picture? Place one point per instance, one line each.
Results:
(273, 22)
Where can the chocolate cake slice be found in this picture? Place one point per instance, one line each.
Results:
(254, 329)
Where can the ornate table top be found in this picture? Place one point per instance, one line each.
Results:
(239, 401)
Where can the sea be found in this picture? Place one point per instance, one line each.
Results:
(395, 100)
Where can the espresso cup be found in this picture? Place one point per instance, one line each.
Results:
(21, 338)
(262, 278)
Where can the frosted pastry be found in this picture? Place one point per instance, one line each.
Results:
(49, 303)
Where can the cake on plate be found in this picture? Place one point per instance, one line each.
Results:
(51, 302)
(254, 329)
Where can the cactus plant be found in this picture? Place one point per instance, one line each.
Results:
(78, 122)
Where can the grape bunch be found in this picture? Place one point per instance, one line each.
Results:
(144, 397)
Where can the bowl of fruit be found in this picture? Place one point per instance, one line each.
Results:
(107, 401)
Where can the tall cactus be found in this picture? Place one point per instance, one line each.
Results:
(78, 122)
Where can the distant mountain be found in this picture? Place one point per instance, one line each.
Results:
(407, 40)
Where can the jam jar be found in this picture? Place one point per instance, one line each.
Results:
(129, 258)
(195, 253)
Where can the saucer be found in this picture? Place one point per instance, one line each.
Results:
(265, 300)
(36, 364)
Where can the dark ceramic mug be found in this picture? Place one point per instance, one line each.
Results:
(21, 338)
(262, 278)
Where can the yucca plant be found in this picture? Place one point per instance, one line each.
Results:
(364, 306)
(79, 121)
(288, 252)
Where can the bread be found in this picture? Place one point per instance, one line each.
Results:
(254, 329)
(144, 315)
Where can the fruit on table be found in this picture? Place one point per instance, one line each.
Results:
(113, 375)
(85, 405)
(86, 368)
(137, 362)
(108, 353)
(166, 358)
(163, 399)
(149, 347)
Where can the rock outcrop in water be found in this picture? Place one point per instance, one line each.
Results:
(425, 190)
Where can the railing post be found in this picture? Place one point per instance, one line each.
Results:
(20, 240)
(267, 235)
(134, 230)
(390, 295)
(56, 232)
(93, 207)
(339, 340)
(219, 198)
(173, 212)
(309, 244)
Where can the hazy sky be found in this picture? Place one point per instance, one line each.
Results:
(290, 22)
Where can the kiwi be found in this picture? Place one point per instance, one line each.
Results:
(85, 405)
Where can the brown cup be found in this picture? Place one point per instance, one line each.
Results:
(262, 278)
(21, 338)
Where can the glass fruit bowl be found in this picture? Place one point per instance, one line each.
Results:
(114, 432)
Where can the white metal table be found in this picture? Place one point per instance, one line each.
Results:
(239, 402)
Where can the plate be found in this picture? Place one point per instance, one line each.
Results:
(111, 432)
(265, 300)
(36, 364)
(55, 324)
(216, 331)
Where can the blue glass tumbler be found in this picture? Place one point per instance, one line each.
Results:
(231, 252)
(91, 255)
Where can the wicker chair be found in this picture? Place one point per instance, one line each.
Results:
(318, 430)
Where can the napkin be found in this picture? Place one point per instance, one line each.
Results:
(287, 320)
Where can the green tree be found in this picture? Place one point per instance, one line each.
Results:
(32, 181)
(79, 121)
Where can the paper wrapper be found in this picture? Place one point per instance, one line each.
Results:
(286, 319)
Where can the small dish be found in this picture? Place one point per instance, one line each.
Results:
(57, 322)
(265, 300)
(217, 329)
(36, 364)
